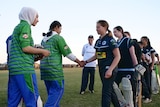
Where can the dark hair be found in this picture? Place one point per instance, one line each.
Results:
(127, 33)
(90, 36)
(119, 28)
(135, 40)
(53, 25)
(147, 39)
(104, 23)
(140, 42)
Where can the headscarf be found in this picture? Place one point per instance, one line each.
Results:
(28, 14)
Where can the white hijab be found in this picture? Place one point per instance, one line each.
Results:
(28, 14)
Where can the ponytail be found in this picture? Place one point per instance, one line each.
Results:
(53, 25)
(109, 33)
(47, 34)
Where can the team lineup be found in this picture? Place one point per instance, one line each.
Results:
(127, 67)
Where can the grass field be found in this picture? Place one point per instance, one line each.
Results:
(71, 97)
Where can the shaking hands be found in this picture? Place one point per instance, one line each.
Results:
(82, 63)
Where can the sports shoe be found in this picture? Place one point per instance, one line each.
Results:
(143, 97)
(91, 91)
(155, 92)
(82, 92)
(147, 100)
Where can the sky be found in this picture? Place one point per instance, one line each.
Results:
(79, 17)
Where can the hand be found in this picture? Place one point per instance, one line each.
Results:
(141, 69)
(151, 67)
(45, 53)
(157, 62)
(108, 74)
(82, 63)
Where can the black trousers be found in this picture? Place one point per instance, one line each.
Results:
(88, 75)
(145, 90)
(108, 93)
(146, 82)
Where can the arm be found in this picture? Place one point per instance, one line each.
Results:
(153, 60)
(79, 62)
(133, 55)
(91, 59)
(66, 51)
(138, 67)
(73, 58)
(83, 51)
(115, 62)
(157, 56)
(144, 58)
(32, 50)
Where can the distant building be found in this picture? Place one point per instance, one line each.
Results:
(37, 66)
(3, 66)
(70, 65)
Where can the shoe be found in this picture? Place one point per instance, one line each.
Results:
(82, 92)
(143, 97)
(155, 92)
(91, 91)
(147, 100)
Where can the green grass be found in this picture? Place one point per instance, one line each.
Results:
(71, 97)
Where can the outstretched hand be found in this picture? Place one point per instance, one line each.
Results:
(82, 63)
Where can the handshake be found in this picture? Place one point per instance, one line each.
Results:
(82, 63)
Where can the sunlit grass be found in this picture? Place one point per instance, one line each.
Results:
(71, 97)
